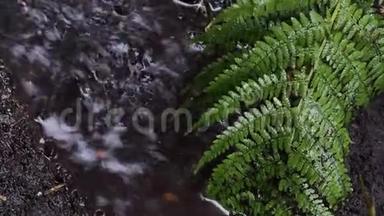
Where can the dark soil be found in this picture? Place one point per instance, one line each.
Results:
(366, 160)
(27, 179)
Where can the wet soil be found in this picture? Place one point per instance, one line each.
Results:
(29, 183)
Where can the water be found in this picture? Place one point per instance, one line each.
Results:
(98, 76)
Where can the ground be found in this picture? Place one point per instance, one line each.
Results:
(29, 183)
(366, 160)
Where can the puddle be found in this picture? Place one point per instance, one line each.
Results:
(98, 76)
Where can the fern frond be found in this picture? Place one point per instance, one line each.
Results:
(283, 48)
(251, 92)
(376, 69)
(347, 62)
(251, 190)
(366, 30)
(210, 72)
(321, 145)
(248, 21)
(252, 122)
(285, 154)
(306, 197)
(327, 87)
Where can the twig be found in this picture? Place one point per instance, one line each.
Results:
(54, 189)
(216, 204)
(200, 6)
(3, 198)
(184, 4)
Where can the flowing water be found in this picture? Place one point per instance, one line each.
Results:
(98, 75)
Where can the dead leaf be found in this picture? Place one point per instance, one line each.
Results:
(170, 197)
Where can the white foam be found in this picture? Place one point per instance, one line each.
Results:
(54, 128)
(87, 155)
